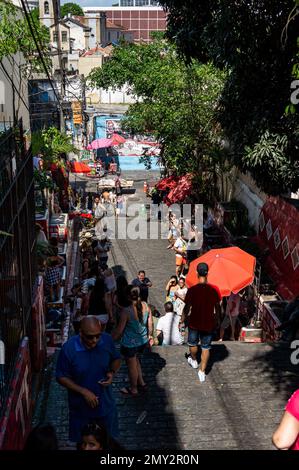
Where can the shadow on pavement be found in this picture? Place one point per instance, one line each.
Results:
(276, 362)
(219, 353)
(146, 421)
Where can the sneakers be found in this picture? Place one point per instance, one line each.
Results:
(201, 376)
(193, 362)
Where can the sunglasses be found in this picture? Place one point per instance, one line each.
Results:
(91, 336)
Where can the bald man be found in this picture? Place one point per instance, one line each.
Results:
(86, 366)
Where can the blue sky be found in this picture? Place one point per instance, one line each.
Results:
(91, 3)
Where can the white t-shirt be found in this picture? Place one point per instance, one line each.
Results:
(169, 325)
(87, 283)
(180, 304)
(179, 244)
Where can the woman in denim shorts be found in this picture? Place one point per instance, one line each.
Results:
(135, 330)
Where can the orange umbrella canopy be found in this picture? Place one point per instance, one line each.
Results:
(230, 269)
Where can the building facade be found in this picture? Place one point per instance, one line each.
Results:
(17, 280)
(141, 21)
(138, 3)
(46, 12)
(80, 38)
(32, 4)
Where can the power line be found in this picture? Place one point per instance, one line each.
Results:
(38, 49)
(56, 12)
(10, 78)
(13, 85)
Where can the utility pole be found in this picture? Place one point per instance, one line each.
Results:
(56, 11)
(83, 86)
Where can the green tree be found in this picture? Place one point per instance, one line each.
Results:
(72, 8)
(15, 36)
(247, 38)
(175, 102)
(291, 107)
(52, 144)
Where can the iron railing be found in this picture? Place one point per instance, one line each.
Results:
(17, 237)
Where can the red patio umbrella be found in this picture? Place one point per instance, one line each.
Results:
(230, 269)
(101, 144)
(169, 182)
(181, 190)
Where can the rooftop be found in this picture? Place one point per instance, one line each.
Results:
(76, 22)
(98, 50)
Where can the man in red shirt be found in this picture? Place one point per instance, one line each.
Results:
(202, 299)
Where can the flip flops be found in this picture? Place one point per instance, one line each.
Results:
(126, 391)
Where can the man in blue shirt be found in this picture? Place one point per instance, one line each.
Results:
(86, 366)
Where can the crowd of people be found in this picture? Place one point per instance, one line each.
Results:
(110, 312)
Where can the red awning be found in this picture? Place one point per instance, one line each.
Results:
(79, 167)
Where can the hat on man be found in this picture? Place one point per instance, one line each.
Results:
(202, 269)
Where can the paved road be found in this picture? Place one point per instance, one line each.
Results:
(238, 406)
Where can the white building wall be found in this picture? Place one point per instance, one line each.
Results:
(92, 36)
(77, 33)
(116, 97)
(247, 192)
(6, 92)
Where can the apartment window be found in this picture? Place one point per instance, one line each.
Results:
(127, 3)
(141, 3)
(55, 36)
(64, 36)
(2, 108)
(46, 8)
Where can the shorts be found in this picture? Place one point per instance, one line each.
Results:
(132, 352)
(180, 260)
(228, 321)
(205, 338)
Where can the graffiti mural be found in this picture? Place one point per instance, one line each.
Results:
(134, 145)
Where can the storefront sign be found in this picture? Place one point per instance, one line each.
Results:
(77, 112)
